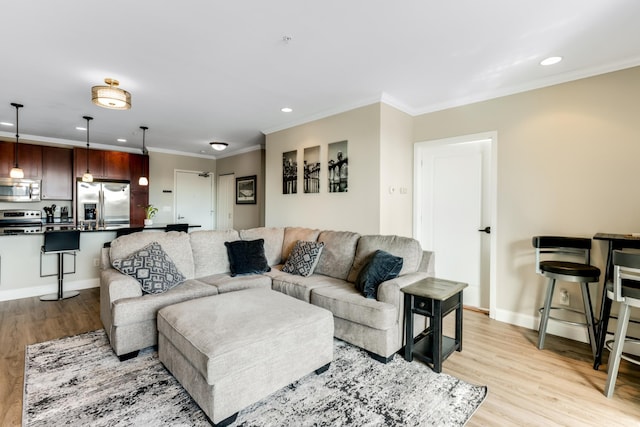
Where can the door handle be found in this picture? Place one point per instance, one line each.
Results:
(180, 217)
(486, 230)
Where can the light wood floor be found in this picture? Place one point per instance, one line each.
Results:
(527, 387)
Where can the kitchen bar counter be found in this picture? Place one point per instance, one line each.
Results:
(70, 226)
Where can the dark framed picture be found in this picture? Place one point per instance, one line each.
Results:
(246, 190)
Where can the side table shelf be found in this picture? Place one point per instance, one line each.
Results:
(433, 298)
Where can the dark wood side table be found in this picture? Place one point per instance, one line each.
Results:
(433, 298)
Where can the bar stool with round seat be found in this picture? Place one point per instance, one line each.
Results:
(625, 289)
(567, 271)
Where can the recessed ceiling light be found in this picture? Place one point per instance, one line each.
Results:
(6, 124)
(80, 128)
(551, 60)
(286, 109)
(121, 140)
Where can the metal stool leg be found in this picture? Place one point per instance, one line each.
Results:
(544, 319)
(588, 314)
(616, 351)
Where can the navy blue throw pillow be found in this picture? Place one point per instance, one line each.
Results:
(380, 267)
(247, 257)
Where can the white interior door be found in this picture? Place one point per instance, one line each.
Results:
(194, 199)
(453, 202)
(226, 200)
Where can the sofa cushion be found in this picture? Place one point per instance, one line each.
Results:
(380, 267)
(225, 283)
(127, 311)
(209, 252)
(346, 302)
(404, 247)
(338, 253)
(152, 268)
(247, 257)
(293, 234)
(273, 239)
(303, 258)
(175, 244)
(300, 287)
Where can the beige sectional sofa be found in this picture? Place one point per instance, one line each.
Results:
(376, 325)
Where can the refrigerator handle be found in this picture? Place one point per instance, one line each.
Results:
(99, 216)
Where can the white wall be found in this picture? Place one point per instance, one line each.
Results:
(567, 164)
(356, 210)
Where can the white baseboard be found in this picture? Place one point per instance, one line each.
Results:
(36, 291)
(573, 332)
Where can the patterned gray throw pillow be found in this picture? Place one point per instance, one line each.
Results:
(152, 267)
(303, 258)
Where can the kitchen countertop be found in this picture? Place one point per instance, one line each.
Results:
(71, 226)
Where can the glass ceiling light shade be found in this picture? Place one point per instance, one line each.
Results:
(218, 146)
(143, 181)
(87, 177)
(111, 96)
(16, 171)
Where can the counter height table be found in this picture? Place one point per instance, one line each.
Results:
(616, 242)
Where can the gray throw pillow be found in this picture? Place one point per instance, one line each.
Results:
(380, 267)
(303, 258)
(247, 257)
(152, 268)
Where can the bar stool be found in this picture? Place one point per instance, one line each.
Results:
(60, 242)
(566, 271)
(625, 289)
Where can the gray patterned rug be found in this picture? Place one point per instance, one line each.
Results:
(78, 381)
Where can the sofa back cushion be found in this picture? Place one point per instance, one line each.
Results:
(273, 238)
(175, 244)
(293, 234)
(209, 252)
(338, 253)
(404, 247)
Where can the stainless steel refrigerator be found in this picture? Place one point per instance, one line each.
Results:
(103, 203)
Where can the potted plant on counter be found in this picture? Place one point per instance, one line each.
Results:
(149, 212)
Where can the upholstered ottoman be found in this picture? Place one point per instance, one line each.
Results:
(231, 350)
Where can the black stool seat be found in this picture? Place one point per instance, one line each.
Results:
(580, 272)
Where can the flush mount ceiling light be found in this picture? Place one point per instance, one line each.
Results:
(87, 177)
(218, 146)
(551, 60)
(286, 109)
(144, 181)
(111, 96)
(16, 171)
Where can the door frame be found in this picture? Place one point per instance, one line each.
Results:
(493, 198)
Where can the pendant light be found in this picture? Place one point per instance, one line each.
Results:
(144, 181)
(16, 171)
(87, 177)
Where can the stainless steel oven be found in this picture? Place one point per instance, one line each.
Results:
(19, 190)
(20, 221)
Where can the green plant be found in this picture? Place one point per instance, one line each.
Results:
(150, 211)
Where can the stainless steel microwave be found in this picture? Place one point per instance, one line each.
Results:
(19, 190)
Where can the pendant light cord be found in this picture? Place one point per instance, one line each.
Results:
(15, 153)
(87, 118)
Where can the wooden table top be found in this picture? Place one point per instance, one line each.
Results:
(434, 288)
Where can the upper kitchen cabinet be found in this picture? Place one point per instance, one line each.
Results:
(102, 164)
(96, 162)
(138, 165)
(116, 165)
(29, 159)
(57, 173)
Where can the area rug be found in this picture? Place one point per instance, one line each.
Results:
(78, 381)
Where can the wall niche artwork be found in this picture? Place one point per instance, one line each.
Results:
(290, 172)
(338, 167)
(311, 173)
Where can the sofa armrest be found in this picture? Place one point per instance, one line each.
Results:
(389, 291)
(115, 285)
(427, 263)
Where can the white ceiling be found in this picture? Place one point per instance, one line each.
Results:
(205, 70)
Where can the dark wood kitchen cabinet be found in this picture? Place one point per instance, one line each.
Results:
(102, 164)
(29, 159)
(138, 165)
(57, 173)
(116, 165)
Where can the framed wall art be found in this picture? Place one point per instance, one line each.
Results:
(338, 167)
(311, 169)
(246, 190)
(290, 172)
